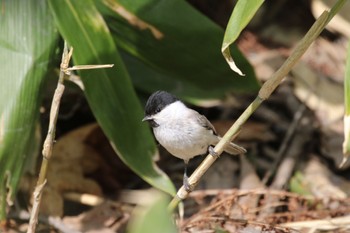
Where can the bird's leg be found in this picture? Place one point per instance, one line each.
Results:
(185, 179)
(212, 152)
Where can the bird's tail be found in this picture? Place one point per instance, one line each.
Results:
(233, 148)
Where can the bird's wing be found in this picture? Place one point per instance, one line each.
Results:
(203, 121)
(230, 148)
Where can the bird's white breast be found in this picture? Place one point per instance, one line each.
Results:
(180, 133)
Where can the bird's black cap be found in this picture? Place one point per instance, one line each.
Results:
(157, 101)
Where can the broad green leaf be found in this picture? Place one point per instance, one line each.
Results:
(27, 40)
(241, 16)
(179, 44)
(147, 79)
(346, 143)
(109, 91)
(153, 216)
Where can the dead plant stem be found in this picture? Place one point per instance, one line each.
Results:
(48, 143)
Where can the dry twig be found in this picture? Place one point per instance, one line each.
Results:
(49, 141)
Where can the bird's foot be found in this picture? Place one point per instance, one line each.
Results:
(186, 184)
(212, 152)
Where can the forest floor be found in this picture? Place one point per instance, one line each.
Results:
(289, 181)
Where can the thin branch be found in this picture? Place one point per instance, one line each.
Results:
(240, 192)
(68, 70)
(90, 67)
(49, 141)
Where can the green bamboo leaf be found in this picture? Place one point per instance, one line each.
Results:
(109, 91)
(27, 40)
(241, 16)
(183, 50)
(147, 79)
(346, 143)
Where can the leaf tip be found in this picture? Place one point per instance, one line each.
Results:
(227, 55)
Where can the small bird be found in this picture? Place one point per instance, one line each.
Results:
(182, 131)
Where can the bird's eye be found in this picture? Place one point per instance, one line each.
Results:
(157, 110)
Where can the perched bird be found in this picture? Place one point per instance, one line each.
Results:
(182, 131)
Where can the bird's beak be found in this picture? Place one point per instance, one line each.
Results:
(147, 118)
